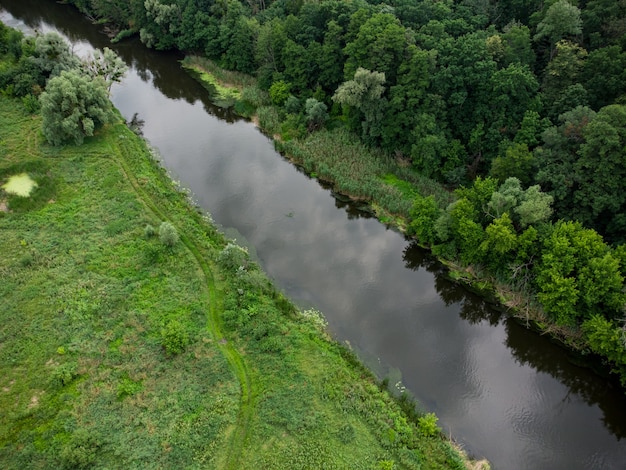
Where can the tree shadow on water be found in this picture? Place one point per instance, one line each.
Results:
(528, 348)
(473, 308)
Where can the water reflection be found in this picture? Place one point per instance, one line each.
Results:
(543, 356)
(551, 359)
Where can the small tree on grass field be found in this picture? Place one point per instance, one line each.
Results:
(168, 234)
(73, 106)
(174, 337)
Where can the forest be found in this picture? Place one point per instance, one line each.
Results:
(516, 107)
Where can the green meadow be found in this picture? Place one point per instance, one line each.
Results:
(134, 335)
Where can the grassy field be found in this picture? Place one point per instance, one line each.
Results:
(119, 351)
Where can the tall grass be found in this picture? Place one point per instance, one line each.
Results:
(227, 78)
(361, 172)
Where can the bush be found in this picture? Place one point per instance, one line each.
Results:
(279, 92)
(174, 337)
(64, 374)
(168, 234)
(233, 257)
(428, 425)
(80, 451)
(73, 107)
(149, 231)
(31, 103)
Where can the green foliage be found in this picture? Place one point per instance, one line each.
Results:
(386, 464)
(31, 103)
(105, 64)
(269, 121)
(460, 233)
(608, 340)
(500, 241)
(379, 45)
(168, 235)
(364, 94)
(149, 231)
(479, 195)
(534, 207)
(316, 114)
(578, 275)
(424, 214)
(174, 339)
(279, 92)
(52, 55)
(561, 20)
(80, 451)
(561, 89)
(73, 107)
(530, 206)
(233, 256)
(64, 374)
(428, 425)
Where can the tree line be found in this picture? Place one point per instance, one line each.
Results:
(520, 105)
(461, 89)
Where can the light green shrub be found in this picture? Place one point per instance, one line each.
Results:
(168, 234)
(428, 425)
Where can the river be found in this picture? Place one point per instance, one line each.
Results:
(502, 392)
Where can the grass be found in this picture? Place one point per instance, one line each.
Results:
(363, 173)
(225, 87)
(87, 292)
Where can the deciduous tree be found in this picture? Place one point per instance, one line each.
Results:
(73, 106)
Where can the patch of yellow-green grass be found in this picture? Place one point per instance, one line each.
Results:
(227, 78)
(20, 185)
(222, 96)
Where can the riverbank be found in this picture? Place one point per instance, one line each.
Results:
(388, 187)
(122, 349)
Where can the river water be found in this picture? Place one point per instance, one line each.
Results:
(502, 392)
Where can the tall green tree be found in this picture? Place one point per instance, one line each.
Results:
(599, 196)
(604, 76)
(379, 45)
(105, 64)
(408, 99)
(73, 106)
(517, 162)
(363, 97)
(556, 160)
(561, 89)
(561, 21)
(578, 276)
(52, 55)
(162, 22)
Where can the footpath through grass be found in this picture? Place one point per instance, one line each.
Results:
(88, 297)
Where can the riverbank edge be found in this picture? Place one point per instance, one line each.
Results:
(516, 304)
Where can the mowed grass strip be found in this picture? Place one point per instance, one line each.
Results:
(86, 295)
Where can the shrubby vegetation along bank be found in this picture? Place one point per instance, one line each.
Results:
(520, 104)
(132, 334)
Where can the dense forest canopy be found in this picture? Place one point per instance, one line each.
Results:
(519, 104)
(467, 88)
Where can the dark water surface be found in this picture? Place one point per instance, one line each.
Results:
(504, 393)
